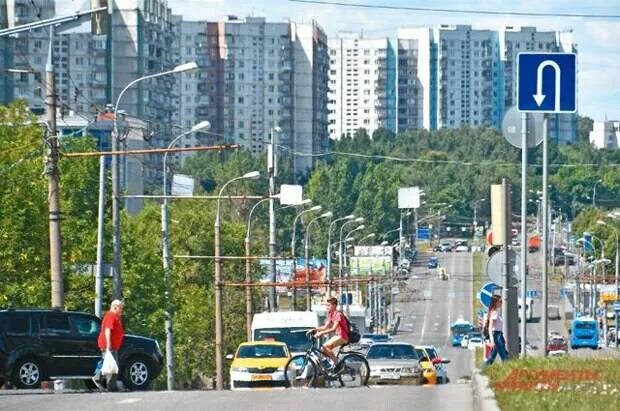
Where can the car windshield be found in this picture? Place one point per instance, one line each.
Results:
(261, 351)
(428, 353)
(376, 337)
(475, 335)
(464, 328)
(585, 325)
(295, 338)
(395, 352)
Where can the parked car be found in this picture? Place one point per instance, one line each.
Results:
(393, 363)
(259, 365)
(434, 363)
(461, 246)
(433, 262)
(369, 339)
(475, 340)
(40, 345)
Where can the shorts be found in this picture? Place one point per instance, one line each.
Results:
(335, 341)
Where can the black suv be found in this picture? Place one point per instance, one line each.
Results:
(38, 345)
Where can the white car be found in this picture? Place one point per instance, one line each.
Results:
(461, 248)
(475, 342)
(464, 341)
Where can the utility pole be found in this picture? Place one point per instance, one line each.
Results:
(545, 235)
(272, 162)
(100, 227)
(524, 249)
(53, 179)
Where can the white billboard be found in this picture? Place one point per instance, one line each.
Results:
(409, 197)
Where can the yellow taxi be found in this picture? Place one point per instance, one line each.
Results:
(433, 369)
(259, 365)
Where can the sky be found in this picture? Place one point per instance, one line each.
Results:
(598, 40)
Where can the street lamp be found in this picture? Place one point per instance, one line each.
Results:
(328, 214)
(601, 222)
(594, 192)
(219, 331)
(347, 238)
(329, 249)
(248, 272)
(294, 265)
(303, 202)
(166, 261)
(369, 236)
(116, 222)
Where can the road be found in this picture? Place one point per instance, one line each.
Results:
(425, 321)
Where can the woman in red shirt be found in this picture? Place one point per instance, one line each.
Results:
(336, 323)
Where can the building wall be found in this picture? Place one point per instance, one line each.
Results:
(605, 134)
(361, 85)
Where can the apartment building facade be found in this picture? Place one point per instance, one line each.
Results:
(262, 77)
(605, 134)
(362, 85)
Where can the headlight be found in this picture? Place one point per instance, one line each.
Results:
(406, 370)
(239, 369)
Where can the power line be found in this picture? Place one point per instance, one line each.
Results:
(459, 11)
(426, 161)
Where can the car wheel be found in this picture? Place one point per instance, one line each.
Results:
(137, 374)
(27, 373)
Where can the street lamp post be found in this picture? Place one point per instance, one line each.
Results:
(306, 253)
(248, 272)
(329, 249)
(294, 265)
(594, 192)
(340, 248)
(348, 270)
(219, 329)
(615, 231)
(116, 223)
(170, 368)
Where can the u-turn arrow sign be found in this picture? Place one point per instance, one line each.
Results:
(547, 82)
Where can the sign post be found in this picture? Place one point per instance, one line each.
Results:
(547, 83)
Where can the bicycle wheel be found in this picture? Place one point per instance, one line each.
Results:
(355, 370)
(300, 372)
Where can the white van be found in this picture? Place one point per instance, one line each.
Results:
(357, 315)
(289, 327)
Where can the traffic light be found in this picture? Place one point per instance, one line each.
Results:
(99, 20)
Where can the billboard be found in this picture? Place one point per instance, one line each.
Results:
(372, 251)
(284, 273)
(374, 265)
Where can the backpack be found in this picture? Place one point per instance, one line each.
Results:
(354, 334)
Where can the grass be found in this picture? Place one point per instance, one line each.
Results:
(563, 383)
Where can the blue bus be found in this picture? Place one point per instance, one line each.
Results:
(460, 328)
(584, 333)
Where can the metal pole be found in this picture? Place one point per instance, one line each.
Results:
(272, 218)
(248, 290)
(100, 229)
(116, 230)
(545, 234)
(415, 224)
(306, 255)
(219, 330)
(53, 179)
(523, 230)
(506, 260)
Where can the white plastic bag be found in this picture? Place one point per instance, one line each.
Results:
(109, 366)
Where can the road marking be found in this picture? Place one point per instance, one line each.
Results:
(129, 401)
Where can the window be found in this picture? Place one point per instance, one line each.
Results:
(56, 324)
(84, 325)
(17, 325)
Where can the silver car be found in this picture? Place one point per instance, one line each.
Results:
(393, 363)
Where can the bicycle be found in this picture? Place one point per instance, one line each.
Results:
(306, 370)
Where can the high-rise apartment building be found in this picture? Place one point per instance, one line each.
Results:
(515, 40)
(25, 54)
(362, 85)
(417, 79)
(605, 134)
(264, 75)
(470, 75)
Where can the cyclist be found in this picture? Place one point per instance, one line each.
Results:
(336, 323)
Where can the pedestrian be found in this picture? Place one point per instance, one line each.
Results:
(110, 339)
(495, 324)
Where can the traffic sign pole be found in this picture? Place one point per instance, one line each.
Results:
(523, 229)
(545, 240)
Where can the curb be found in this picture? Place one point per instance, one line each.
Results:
(484, 397)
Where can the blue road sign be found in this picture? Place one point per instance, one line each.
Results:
(486, 292)
(424, 234)
(547, 82)
(617, 306)
(532, 293)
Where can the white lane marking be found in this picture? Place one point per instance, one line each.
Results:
(129, 401)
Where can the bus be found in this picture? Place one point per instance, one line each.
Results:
(289, 327)
(529, 309)
(460, 328)
(584, 333)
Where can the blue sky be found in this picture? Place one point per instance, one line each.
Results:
(598, 40)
